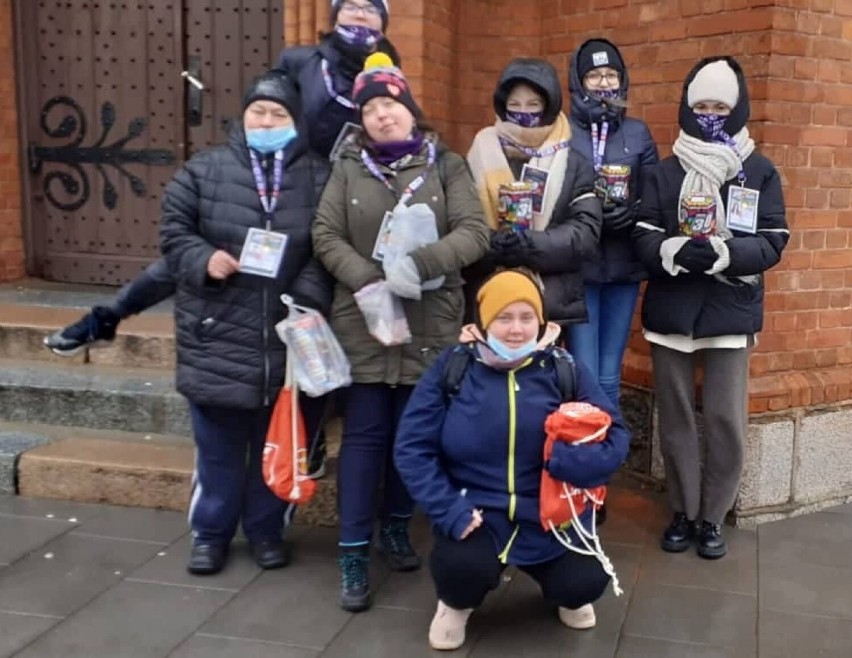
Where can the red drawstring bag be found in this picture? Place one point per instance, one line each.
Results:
(573, 422)
(285, 455)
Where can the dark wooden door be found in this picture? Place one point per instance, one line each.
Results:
(113, 97)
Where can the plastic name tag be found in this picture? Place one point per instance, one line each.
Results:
(262, 253)
(742, 209)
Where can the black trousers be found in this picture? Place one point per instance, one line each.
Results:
(465, 571)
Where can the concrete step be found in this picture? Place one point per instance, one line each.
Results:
(96, 396)
(139, 470)
(144, 341)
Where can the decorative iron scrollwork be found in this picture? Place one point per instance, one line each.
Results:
(73, 155)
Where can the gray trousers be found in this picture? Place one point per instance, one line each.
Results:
(709, 495)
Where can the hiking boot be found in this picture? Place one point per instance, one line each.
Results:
(207, 559)
(354, 564)
(395, 545)
(316, 461)
(580, 619)
(679, 535)
(448, 627)
(95, 329)
(711, 545)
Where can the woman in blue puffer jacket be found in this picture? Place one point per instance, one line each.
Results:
(601, 132)
(473, 462)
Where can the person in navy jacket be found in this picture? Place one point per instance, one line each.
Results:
(473, 462)
(600, 131)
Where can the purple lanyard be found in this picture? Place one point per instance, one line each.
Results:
(413, 186)
(329, 86)
(535, 153)
(268, 202)
(599, 138)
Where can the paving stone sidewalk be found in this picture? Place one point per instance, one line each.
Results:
(106, 582)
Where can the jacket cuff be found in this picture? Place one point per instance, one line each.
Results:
(460, 525)
(723, 254)
(668, 250)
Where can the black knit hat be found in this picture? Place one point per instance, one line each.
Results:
(381, 78)
(381, 5)
(274, 87)
(595, 53)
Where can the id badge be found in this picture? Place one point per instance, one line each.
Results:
(742, 209)
(263, 252)
(384, 237)
(349, 130)
(537, 177)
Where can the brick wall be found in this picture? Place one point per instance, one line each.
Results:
(11, 240)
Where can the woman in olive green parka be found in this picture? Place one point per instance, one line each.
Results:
(392, 161)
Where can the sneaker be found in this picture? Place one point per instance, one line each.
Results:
(679, 535)
(580, 619)
(711, 545)
(395, 545)
(448, 627)
(94, 329)
(354, 564)
(316, 462)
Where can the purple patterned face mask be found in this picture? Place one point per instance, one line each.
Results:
(606, 94)
(711, 125)
(358, 36)
(524, 119)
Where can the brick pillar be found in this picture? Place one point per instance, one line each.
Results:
(11, 240)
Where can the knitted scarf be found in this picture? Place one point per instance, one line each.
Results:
(489, 163)
(708, 166)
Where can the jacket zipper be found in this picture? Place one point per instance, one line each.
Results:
(513, 386)
(504, 556)
(266, 367)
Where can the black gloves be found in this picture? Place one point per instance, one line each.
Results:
(509, 248)
(618, 218)
(697, 256)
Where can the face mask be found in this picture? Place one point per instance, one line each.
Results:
(511, 354)
(711, 125)
(358, 36)
(269, 140)
(524, 119)
(606, 94)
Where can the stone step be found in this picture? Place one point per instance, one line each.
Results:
(96, 396)
(121, 468)
(143, 341)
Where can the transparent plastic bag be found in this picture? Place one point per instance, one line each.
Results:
(412, 227)
(384, 314)
(319, 363)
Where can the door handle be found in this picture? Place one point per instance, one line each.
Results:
(194, 91)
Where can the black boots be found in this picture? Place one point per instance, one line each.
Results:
(395, 545)
(354, 576)
(711, 545)
(679, 535)
(207, 559)
(271, 554)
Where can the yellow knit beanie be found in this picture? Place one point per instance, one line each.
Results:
(506, 288)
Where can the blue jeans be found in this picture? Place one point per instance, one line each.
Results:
(600, 343)
(371, 416)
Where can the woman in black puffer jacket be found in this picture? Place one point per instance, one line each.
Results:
(230, 363)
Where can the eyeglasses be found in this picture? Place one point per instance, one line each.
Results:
(596, 77)
(351, 8)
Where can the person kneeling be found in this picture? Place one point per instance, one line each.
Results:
(471, 455)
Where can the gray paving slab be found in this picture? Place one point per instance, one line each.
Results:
(840, 509)
(785, 635)
(806, 589)
(131, 620)
(632, 646)
(215, 646)
(160, 526)
(702, 616)
(296, 606)
(49, 509)
(17, 631)
(737, 572)
(168, 566)
(821, 539)
(64, 575)
(22, 535)
(385, 633)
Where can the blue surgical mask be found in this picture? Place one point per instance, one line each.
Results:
(511, 354)
(524, 119)
(711, 125)
(269, 140)
(358, 36)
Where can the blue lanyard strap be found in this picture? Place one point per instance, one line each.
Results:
(268, 201)
(599, 139)
(535, 153)
(329, 86)
(413, 186)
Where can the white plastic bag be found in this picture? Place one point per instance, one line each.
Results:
(412, 227)
(383, 313)
(319, 363)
